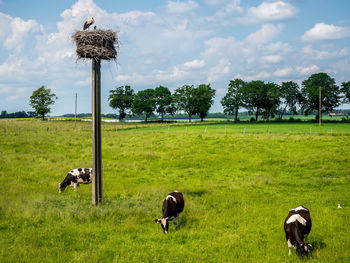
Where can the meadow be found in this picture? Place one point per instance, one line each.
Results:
(238, 181)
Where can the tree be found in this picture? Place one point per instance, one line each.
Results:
(346, 91)
(262, 98)
(291, 95)
(204, 99)
(31, 114)
(253, 97)
(329, 93)
(185, 100)
(271, 99)
(164, 101)
(121, 98)
(144, 103)
(234, 98)
(41, 99)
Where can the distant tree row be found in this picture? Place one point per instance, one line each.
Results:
(259, 98)
(270, 100)
(189, 99)
(18, 114)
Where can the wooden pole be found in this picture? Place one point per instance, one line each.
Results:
(319, 108)
(75, 120)
(96, 133)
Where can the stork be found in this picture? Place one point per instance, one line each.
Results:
(88, 23)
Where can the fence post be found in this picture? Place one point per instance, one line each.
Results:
(244, 131)
(205, 130)
(332, 131)
(186, 129)
(168, 128)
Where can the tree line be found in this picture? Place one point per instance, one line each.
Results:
(268, 100)
(189, 99)
(19, 114)
(271, 100)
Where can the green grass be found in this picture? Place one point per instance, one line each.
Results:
(238, 188)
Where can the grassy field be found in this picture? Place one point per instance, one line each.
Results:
(238, 187)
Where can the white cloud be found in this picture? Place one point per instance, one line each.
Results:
(256, 76)
(194, 64)
(265, 34)
(155, 77)
(269, 11)
(219, 70)
(278, 47)
(214, 2)
(322, 31)
(14, 31)
(307, 70)
(283, 72)
(83, 83)
(271, 59)
(219, 46)
(181, 7)
(230, 8)
(319, 55)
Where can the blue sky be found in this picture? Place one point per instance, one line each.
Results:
(169, 43)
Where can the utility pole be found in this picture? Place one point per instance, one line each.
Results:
(96, 133)
(319, 108)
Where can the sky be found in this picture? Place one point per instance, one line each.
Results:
(168, 43)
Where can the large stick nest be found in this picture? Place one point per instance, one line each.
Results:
(96, 44)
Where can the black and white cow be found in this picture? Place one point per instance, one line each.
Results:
(76, 177)
(173, 205)
(297, 226)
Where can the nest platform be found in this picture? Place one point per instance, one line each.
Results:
(96, 44)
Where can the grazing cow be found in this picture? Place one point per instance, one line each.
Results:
(173, 205)
(76, 177)
(297, 226)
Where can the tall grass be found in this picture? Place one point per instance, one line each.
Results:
(238, 188)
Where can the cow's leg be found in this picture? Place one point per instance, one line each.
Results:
(290, 246)
(306, 241)
(75, 185)
(176, 221)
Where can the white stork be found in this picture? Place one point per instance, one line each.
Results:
(88, 23)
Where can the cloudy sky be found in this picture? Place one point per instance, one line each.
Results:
(169, 43)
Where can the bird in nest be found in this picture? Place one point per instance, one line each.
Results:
(88, 23)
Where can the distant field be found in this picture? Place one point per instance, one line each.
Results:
(238, 180)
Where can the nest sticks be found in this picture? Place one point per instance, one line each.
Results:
(96, 44)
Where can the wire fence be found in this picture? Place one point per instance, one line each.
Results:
(24, 128)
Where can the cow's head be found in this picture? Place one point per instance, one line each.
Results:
(303, 249)
(164, 222)
(61, 187)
